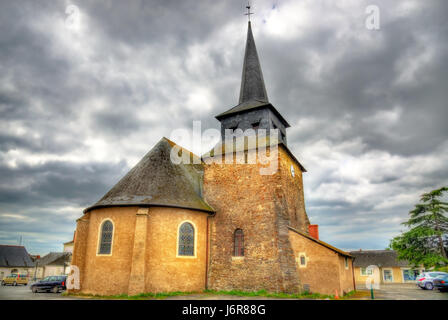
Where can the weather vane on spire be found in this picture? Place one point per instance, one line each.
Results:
(248, 11)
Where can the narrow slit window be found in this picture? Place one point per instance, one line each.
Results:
(238, 243)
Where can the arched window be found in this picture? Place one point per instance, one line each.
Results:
(107, 231)
(238, 241)
(186, 240)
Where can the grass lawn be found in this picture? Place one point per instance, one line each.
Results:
(237, 293)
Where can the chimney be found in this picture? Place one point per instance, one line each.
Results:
(313, 230)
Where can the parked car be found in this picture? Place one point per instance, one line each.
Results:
(15, 279)
(425, 280)
(441, 282)
(52, 283)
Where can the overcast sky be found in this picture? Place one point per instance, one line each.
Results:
(85, 93)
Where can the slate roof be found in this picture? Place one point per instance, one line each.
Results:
(252, 82)
(55, 258)
(322, 243)
(252, 105)
(253, 93)
(14, 256)
(157, 181)
(381, 258)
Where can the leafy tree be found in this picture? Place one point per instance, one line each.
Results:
(426, 242)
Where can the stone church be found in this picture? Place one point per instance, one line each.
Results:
(211, 225)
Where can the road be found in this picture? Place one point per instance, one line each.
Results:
(406, 292)
(24, 293)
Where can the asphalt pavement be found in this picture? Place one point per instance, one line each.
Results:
(24, 293)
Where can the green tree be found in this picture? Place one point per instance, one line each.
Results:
(426, 241)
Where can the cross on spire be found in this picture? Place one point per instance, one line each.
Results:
(248, 11)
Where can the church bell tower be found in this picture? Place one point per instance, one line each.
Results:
(254, 111)
(250, 247)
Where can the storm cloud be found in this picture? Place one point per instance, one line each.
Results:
(85, 94)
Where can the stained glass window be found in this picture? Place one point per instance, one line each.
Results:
(186, 239)
(107, 230)
(238, 243)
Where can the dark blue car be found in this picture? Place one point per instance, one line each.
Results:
(52, 283)
(441, 283)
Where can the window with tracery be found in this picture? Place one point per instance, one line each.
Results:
(186, 240)
(107, 230)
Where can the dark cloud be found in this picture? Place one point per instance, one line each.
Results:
(80, 106)
(57, 183)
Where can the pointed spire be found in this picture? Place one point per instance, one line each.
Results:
(252, 83)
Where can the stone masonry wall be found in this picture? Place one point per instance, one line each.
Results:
(290, 192)
(258, 205)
